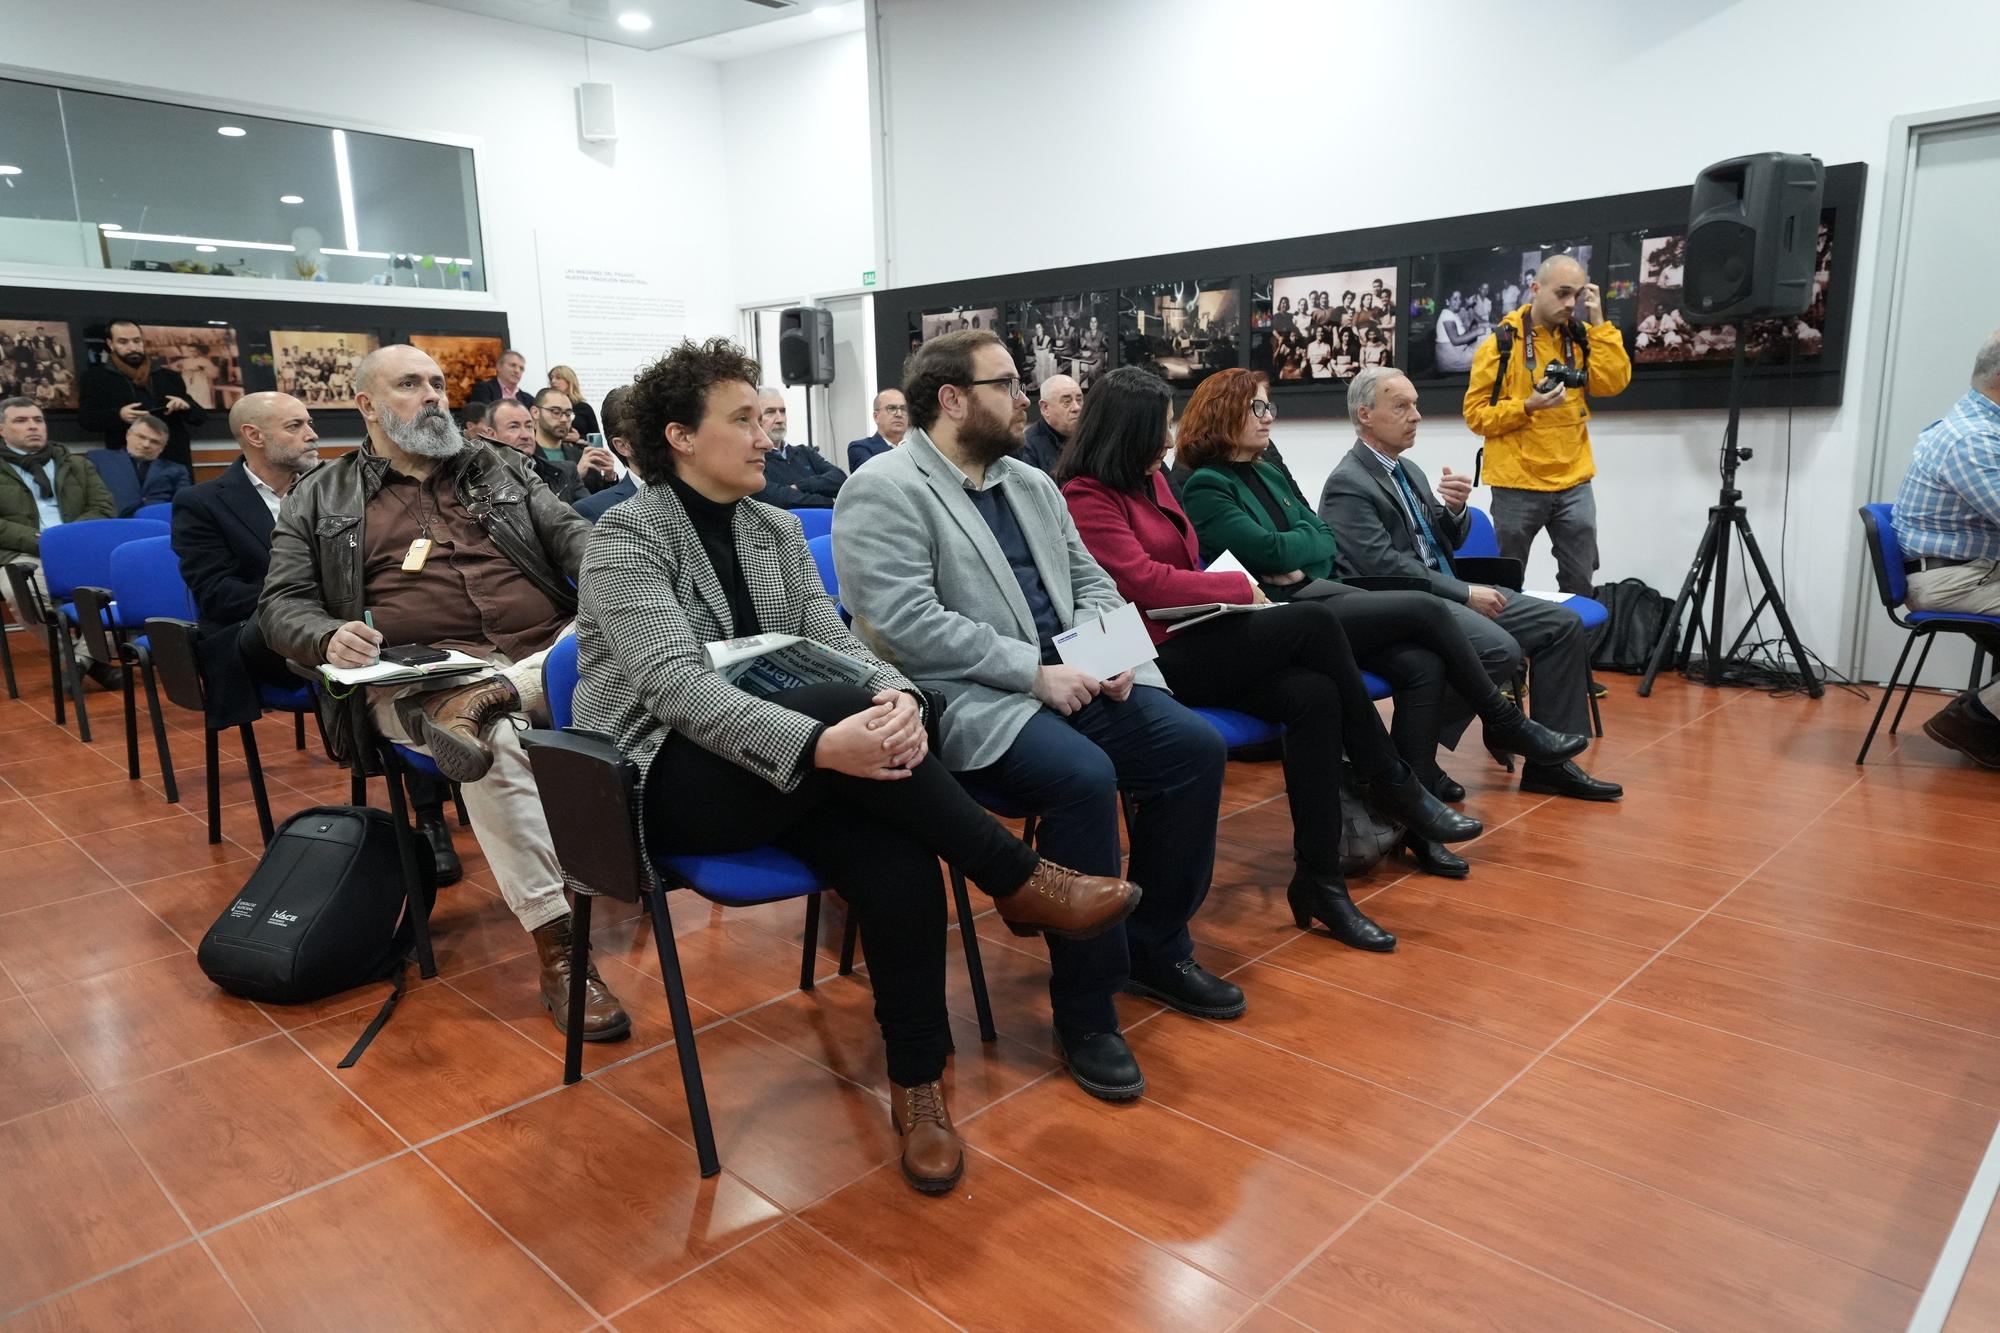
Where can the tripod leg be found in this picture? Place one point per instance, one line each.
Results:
(1736, 645)
(1721, 600)
(1804, 664)
(1666, 638)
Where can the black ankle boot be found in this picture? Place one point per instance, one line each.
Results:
(1511, 731)
(1424, 815)
(1323, 898)
(433, 830)
(1433, 858)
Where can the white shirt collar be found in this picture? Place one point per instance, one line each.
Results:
(272, 500)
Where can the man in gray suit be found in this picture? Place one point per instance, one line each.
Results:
(1386, 520)
(960, 565)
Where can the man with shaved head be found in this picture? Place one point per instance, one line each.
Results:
(1061, 405)
(1538, 458)
(419, 538)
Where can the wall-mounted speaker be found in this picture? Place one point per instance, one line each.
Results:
(596, 113)
(1753, 230)
(805, 345)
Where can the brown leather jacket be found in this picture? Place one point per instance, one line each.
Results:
(314, 585)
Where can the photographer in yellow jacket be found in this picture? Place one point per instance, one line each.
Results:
(1559, 351)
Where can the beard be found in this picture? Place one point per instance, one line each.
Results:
(133, 359)
(986, 437)
(429, 434)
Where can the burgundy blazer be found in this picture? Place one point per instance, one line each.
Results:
(1148, 548)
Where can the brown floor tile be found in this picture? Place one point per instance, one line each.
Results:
(246, 1128)
(167, 846)
(22, 825)
(79, 767)
(512, 992)
(1668, 881)
(609, 1201)
(1873, 1117)
(1960, 804)
(67, 941)
(1976, 1305)
(48, 872)
(1017, 983)
(1907, 891)
(729, 966)
(1246, 911)
(790, 1277)
(441, 1062)
(1690, 830)
(1409, 1052)
(1888, 854)
(125, 1025)
(1628, 918)
(1879, 925)
(393, 1247)
(180, 1289)
(788, 1127)
(1638, 1247)
(190, 902)
(992, 1276)
(109, 805)
(1863, 1212)
(1394, 1273)
(1424, 917)
(78, 1202)
(1225, 1206)
(368, 997)
(472, 928)
(51, 745)
(34, 1074)
(1264, 1319)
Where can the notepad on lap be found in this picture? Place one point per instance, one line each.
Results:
(454, 663)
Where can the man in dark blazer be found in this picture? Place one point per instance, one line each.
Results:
(1061, 407)
(113, 395)
(507, 384)
(136, 475)
(1386, 520)
(892, 423)
(795, 476)
(593, 507)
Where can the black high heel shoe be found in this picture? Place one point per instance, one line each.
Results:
(1424, 815)
(1324, 899)
(1433, 858)
(1522, 735)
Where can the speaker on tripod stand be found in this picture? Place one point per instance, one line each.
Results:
(1752, 230)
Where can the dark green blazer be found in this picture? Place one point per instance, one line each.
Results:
(1228, 517)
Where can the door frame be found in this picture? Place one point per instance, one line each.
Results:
(1906, 135)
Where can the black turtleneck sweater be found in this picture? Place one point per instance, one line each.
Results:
(715, 527)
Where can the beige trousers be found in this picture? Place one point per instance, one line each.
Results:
(1973, 586)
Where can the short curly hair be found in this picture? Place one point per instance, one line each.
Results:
(674, 390)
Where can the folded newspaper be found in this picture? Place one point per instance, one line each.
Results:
(763, 664)
(1201, 613)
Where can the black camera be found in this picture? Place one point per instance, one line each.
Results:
(1555, 372)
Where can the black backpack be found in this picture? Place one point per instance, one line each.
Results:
(322, 913)
(1625, 641)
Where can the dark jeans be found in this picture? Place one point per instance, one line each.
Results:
(1069, 770)
(1292, 664)
(876, 842)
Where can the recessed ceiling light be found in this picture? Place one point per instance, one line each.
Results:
(232, 131)
(109, 226)
(206, 249)
(10, 171)
(291, 199)
(633, 21)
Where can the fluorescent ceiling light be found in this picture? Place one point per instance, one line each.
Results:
(204, 240)
(357, 254)
(345, 178)
(633, 21)
(109, 226)
(291, 199)
(231, 131)
(206, 249)
(10, 171)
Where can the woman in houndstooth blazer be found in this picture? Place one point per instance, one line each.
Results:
(840, 776)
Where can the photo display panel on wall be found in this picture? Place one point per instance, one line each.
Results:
(1323, 326)
(1060, 335)
(1457, 298)
(38, 361)
(317, 366)
(464, 361)
(931, 324)
(204, 355)
(1184, 330)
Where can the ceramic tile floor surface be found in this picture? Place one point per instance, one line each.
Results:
(1724, 1056)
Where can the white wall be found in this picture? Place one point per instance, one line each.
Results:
(422, 70)
(1173, 137)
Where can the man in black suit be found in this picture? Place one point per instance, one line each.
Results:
(136, 475)
(222, 535)
(1386, 520)
(795, 476)
(892, 423)
(112, 396)
(507, 384)
(1061, 406)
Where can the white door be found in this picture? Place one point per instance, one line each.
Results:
(1943, 302)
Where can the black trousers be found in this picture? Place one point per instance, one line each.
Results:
(876, 842)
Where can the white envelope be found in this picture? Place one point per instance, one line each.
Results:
(1105, 645)
(1227, 563)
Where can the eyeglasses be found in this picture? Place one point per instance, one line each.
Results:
(559, 411)
(1011, 383)
(897, 408)
(1262, 410)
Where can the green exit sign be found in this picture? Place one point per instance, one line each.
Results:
(868, 277)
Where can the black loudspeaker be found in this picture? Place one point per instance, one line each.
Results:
(805, 344)
(1752, 231)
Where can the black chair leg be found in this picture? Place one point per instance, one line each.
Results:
(130, 664)
(848, 938)
(677, 1006)
(458, 804)
(1910, 685)
(73, 678)
(1596, 717)
(1888, 691)
(160, 746)
(298, 731)
(257, 791)
(58, 678)
(420, 901)
(7, 664)
(212, 761)
(1973, 685)
(975, 970)
(812, 941)
(579, 982)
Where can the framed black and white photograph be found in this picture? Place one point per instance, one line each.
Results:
(1060, 335)
(1457, 298)
(38, 361)
(1644, 297)
(935, 323)
(317, 367)
(1182, 331)
(1323, 326)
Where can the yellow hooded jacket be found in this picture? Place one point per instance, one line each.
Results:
(1547, 450)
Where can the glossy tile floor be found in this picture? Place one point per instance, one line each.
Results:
(1722, 1057)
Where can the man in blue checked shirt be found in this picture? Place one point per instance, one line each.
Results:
(1948, 521)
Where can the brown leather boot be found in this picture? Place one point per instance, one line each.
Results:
(448, 723)
(1059, 901)
(603, 1018)
(933, 1158)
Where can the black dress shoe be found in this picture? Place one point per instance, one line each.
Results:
(1566, 779)
(106, 675)
(431, 826)
(1434, 859)
(1445, 789)
(1102, 1064)
(1522, 735)
(1186, 987)
(1411, 805)
(1323, 898)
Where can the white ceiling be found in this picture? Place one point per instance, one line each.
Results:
(708, 29)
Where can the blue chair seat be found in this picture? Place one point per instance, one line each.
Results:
(1239, 729)
(1588, 609)
(1952, 618)
(418, 762)
(762, 875)
(298, 700)
(1377, 687)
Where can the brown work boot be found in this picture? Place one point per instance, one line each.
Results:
(1062, 902)
(603, 1018)
(448, 723)
(1957, 727)
(933, 1158)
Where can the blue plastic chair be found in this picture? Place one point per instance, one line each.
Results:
(829, 578)
(1481, 542)
(76, 555)
(161, 511)
(814, 522)
(1892, 584)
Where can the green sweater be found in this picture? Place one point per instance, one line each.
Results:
(1228, 516)
(80, 494)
